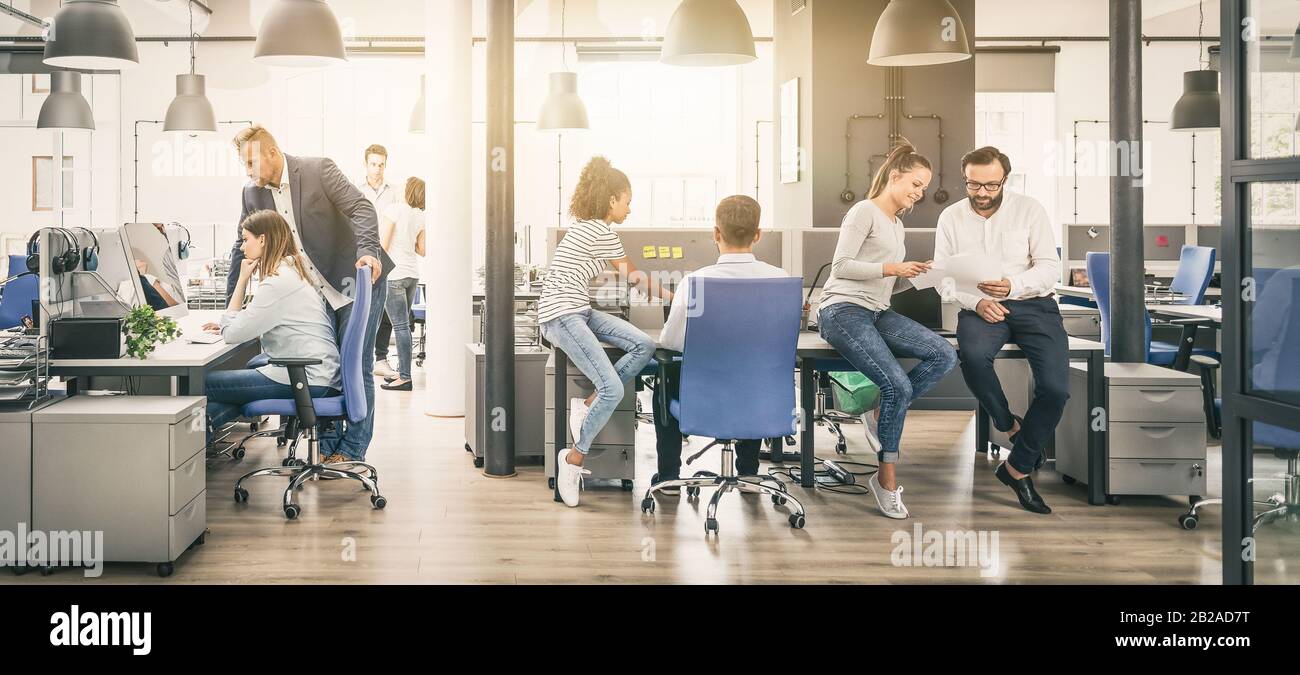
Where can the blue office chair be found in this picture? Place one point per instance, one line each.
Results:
(1195, 269)
(737, 381)
(1275, 367)
(1158, 353)
(419, 309)
(18, 295)
(308, 415)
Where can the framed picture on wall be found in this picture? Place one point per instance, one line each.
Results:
(43, 183)
(40, 84)
(790, 154)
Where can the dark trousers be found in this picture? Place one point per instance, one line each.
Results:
(668, 440)
(1035, 326)
(383, 338)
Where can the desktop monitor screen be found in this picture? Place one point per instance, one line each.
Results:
(153, 255)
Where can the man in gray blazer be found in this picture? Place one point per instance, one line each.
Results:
(331, 220)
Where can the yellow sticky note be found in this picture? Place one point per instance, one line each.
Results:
(678, 253)
(649, 253)
(665, 252)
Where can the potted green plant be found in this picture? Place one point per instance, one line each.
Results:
(145, 330)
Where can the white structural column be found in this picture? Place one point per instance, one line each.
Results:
(446, 268)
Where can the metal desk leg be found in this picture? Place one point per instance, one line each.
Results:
(981, 429)
(192, 383)
(1097, 450)
(561, 412)
(807, 402)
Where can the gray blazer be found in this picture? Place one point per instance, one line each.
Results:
(337, 223)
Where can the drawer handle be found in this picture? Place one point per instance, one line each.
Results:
(1157, 395)
(1167, 431)
(194, 467)
(1146, 463)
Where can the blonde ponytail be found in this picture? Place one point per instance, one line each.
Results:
(902, 158)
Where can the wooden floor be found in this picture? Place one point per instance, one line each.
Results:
(447, 523)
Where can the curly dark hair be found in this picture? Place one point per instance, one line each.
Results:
(600, 182)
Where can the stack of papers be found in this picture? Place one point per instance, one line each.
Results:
(964, 273)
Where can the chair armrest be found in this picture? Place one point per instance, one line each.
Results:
(666, 357)
(289, 363)
(1191, 321)
(1205, 362)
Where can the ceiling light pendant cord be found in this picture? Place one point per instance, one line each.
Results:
(1200, 34)
(564, 49)
(190, 4)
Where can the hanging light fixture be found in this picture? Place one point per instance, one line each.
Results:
(1198, 108)
(299, 33)
(417, 114)
(190, 111)
(91, 35)
(708, 33)
(919, 33)
(1295, 46)
(563, 110)
(65, 108)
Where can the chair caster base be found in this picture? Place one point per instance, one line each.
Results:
(1188, 521)
(378, 501)
(648, 505)
(796, 520)
(241, 496)
(292, 511)
(711, 525)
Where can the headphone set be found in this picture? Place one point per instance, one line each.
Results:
(70, 258)
(183, 248)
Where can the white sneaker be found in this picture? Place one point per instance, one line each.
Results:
(871, 423)
(568, 478)
(889, 501)
(384, 370)
(578, 410)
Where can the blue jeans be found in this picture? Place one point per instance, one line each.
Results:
(871, 341)
(401, 295)
(355, 440)
(229, 390)
(580, 336)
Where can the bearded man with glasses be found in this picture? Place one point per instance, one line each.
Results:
(1017, 306)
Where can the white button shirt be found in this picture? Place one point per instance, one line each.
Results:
(284, 204)
(1019, 234)
(381, 199)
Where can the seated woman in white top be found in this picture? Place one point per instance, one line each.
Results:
(287, 314)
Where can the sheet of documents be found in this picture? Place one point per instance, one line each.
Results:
(965, 272)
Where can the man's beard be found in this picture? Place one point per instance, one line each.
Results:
(994, 203)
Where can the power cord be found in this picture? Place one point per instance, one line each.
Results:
(835, 478)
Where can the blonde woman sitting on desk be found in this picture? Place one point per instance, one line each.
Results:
(287, 314)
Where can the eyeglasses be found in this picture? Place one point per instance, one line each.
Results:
(992, 188)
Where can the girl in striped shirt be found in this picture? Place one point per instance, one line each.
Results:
(603, 198)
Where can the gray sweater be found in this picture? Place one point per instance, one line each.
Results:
(868, 240)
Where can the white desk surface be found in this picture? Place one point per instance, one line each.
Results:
(1086, 291)
(1210, 312)
(813, 344)
(176, 354)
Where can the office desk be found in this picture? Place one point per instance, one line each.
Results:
(187, 362)
(812, 347)
(1085, 292)
(1214, 314)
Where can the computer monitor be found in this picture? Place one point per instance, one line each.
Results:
(115, 281)
(154, 258)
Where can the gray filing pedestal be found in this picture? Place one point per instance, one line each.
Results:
(1156, 431)
(530, 378)
(16, 468)
(132, 467)
(613, 451)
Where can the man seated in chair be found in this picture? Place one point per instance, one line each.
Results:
(736, 232)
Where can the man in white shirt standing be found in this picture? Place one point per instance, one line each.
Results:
(736, 232)
(1016, 307)
(381, 196)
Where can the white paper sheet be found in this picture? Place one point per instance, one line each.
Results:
(965, 272)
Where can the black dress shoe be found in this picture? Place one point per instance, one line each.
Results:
(1024, 489)
(405, 386)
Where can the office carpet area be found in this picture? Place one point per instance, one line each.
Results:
(448, 523)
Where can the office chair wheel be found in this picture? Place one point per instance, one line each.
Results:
(252, 426)
(692, 492)
(238, 454)
(478, 462)
(711, 525)
(166, 569)
(241, 495)
(550, 483)
(841, 448)
(1188, 521)
(627, 485)
(1068, 480)
(1112, 500)
(648, 505)
(796, 520)
(378, 501)
(292, 511)
(778, 500)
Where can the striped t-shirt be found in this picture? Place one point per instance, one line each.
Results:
(581, 255)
